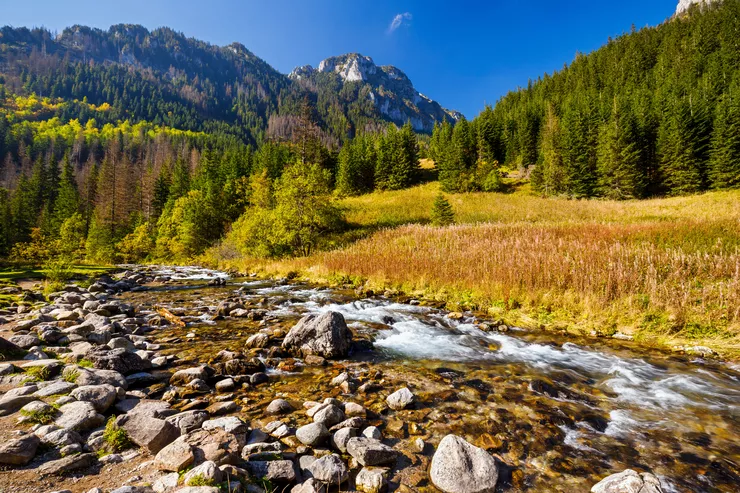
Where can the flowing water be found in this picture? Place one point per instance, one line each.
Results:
(559, 413)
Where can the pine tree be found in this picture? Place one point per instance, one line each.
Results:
(724, 164)
(549, 177)
(68, 199)
(619, 158)
(442, 213)
(678, 144)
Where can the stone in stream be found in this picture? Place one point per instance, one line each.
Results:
(230, 424)
(184, 377)
(312, 434)
(328, 414)
(279, 406)
(400, 399)
(459, 467)
(19, 451)
(369, 452)
(628, 481)
(330, 469)
(325, 335)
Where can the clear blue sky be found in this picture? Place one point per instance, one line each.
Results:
(461, 53)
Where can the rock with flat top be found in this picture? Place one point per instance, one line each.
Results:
(369, 452)
(150, 433)
(325, 335)
(20, 451)
(460, 467)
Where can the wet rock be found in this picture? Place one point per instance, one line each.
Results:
(628, 481)
(312, 434)
(20, 451)
(79, 416)
(281, 471)
(258, 340)
(459, 467)
(369, 452)
(67, 464)
(279, 406)
(325, 335)
(198, 385)
(227, 385)
(352, 409)
(259, 379)
(225, 308)
(330, 469)
(100, 396)
(176, 456)
(207, 471)
(372, 480)
(400, 399)
(184, 377)
(219, 408)
(150, 433)
(188, 421)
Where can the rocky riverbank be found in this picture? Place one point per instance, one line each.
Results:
(175, 380)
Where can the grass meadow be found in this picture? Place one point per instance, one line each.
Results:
(666, 271)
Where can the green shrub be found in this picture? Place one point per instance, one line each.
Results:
(38, 373)
(200, 480)
(41, 417)
(116, 438)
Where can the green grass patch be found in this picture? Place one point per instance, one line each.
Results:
(116, 438)
(38, 373)
(40, 417)
(200, 480)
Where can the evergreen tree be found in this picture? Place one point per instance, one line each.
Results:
(442, 213)
(678, 144)
(724, 164)
(619, 158)
(68, 199)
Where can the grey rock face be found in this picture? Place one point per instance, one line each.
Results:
(176, 456)
(459, 467)
(282, 471)
(100, 396)
(628, 481)
(151, 433)
(324, 335)
(67, 464)
(684, 5)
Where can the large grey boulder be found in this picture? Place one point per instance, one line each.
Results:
(330, 469)
(119, 360)
(628, 481)
(100, 396)
(79, 416)
(25, 341)
(10, 404)
(20, 451)
(280, 471)
(92, 376)
(325, 335)
(148, 432)
(459, 467)
(176, 456)
(369, 452)
(188, 421)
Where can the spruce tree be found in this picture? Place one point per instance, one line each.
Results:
(619, 158)
(724, 163)
(442, 213)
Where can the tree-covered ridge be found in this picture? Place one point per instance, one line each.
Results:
(165, 78)
(655, 111)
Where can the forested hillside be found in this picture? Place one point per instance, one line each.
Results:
(653, 112)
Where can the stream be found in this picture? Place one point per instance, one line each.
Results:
(560, 413)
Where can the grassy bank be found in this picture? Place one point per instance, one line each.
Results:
(666, 271)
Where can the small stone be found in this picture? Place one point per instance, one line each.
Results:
(372, 480)
(460, 467)
(341, 437)
(279, 406)
(312, 434)
(628, 481)
(330, 469)
(372, 432)
(400, 399)
(369, 452)
(207, 471)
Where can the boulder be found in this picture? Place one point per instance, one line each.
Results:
(459, 467)
(329, 415)
(67, 464)
(400, 399)
(188, 421)
(230, 424)
(372, 480)
(19, 451)
(330, 469)
(79, 416)
(119, 360)
(279, 471)
(145, 431)
(184, 377)
(279, 406)
(26, 341)
(10, 404)
(261, 448)
(628, 481)
(312, 434)
(61, 438)
(215, 445)
(92, 376)
(325, 335)
(341, 437)
(207, 471)
(100, 396)
(176, 456)
(369, 452)
(57, 387)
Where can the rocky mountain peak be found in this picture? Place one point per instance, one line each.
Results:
(684, 5)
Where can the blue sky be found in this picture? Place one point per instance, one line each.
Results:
(461, 53)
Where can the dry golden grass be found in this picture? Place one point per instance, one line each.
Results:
(665, 270)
